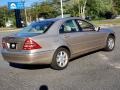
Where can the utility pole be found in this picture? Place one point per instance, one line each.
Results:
(25, 11)
(62, 8)
(79, 8)
(26, 20)
(4, 16)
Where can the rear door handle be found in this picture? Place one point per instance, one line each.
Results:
(66, 36)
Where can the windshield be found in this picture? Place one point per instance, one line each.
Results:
(37, 27)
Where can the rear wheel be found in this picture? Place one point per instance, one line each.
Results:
(110, 44)
(60, 59)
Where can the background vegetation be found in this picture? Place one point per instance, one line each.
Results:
(92, 9)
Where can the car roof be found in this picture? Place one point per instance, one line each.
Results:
(62, 19)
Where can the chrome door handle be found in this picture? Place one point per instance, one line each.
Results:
(66, 36)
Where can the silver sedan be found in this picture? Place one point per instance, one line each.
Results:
(55, 42)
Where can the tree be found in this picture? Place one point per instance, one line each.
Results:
(57, 6)
(98, 8)
(117, 5)
(81, 7)
(76, 8)
(38, 9)
(5, 15)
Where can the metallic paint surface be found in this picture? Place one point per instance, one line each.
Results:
(78, 43)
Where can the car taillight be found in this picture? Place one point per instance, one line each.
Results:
(30, 45)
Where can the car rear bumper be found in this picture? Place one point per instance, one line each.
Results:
(28, 58)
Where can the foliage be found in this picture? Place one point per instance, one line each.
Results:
(5, 15)
(117, 5)
(99, 8)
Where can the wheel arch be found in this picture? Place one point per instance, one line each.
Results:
(113, 35)
(66, 48)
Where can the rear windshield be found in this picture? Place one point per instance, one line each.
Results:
(37, 27)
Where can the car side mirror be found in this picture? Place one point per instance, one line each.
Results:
(97, 28)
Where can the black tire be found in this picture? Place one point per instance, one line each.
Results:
(107, 48)
(54, 64)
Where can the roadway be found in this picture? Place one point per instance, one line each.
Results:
(99, 70)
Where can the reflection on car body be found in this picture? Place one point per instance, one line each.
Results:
(55, 42)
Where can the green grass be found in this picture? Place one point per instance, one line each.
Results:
(106, 22)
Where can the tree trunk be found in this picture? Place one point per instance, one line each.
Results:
(83, 10)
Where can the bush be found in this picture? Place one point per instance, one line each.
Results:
(110, 15)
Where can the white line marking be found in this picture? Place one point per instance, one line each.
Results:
(103, 56)
(10, 31)
(115, 65)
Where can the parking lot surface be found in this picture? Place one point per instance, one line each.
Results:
(99, 70)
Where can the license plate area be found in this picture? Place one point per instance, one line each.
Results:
(12, 46)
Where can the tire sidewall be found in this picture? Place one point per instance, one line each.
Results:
(54, 63)
(107, 47)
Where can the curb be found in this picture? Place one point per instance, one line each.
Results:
(108, 26)
(10, 30)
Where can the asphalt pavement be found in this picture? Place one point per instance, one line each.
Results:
(99, 70)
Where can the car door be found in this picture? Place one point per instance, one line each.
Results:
(89, 38)
(69, 33)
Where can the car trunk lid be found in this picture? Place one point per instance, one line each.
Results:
(13, 43)
(16, 41)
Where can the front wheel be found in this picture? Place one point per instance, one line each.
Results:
(110, 44)
(60, 59)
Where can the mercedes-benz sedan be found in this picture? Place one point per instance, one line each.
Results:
(55, 42)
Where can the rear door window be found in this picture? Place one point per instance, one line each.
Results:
(69, 27)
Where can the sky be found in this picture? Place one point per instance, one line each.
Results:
(27, 2)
